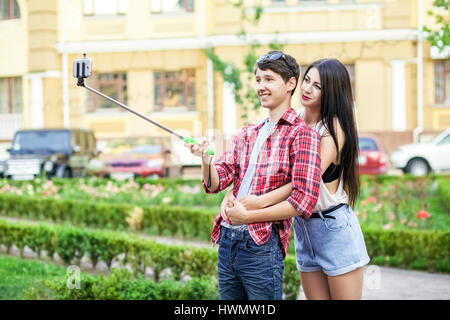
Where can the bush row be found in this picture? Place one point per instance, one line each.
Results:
(185, 222)
(122, 285)
(406, 245)
(72, 244)
(411, 249)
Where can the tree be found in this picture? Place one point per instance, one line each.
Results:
(441, 37)
(244, 92)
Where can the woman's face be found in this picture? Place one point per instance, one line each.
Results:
(311, 89)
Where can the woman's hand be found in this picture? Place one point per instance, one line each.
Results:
(252, 202)
(227, 202)
(237, 214)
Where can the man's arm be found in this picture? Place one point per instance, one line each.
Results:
(306, 175)
(222, 170)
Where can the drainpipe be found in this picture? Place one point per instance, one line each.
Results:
(65, 73)
(210, 67)
(419, 127)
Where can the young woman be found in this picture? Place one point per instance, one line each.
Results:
(329, 246)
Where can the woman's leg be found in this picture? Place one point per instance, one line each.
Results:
(315, 285)
(347, 286)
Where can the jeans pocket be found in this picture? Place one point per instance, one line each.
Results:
(259, 250)
(340, 222)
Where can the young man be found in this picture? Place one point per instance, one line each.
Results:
(262, 158)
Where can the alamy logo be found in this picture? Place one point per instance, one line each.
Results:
(73, 281)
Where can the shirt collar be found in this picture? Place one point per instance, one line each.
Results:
(290, 116)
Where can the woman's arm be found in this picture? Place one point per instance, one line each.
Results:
(271, 198)
(306, 176)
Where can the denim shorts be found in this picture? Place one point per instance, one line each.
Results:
(247, 271)
(334, 246)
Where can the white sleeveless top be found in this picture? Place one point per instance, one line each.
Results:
(326, 199)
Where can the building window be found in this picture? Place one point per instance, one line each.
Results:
(174, 90)
(113, 85)
(165, 6)
(442, 82)
(105, 7)
(278, 2)
(312, 2)
(11, 95)
(9, 9)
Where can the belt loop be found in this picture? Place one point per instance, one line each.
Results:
(321, 215)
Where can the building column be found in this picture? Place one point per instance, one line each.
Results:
(228, 110)
(36, 103)
(398, 95)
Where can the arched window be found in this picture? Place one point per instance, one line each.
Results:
(9, 9)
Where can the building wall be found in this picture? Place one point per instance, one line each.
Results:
(140, 43)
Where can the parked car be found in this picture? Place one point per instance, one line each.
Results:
(140, 161)
(372, 159)
(423, 158)
(54, 152)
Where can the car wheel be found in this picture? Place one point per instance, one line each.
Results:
(417, 167)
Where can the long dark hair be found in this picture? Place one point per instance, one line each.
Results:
(337, 102)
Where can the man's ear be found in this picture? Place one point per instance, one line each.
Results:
(292, 82)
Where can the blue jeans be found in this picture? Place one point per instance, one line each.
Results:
(247, 271)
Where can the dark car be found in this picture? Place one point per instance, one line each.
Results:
(53, 152)
(140, 161)
(372, 159)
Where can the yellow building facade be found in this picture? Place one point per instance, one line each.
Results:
(150, 54)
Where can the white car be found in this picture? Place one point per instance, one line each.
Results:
(422, 158)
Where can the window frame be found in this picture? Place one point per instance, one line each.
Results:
(445, 64)
(12, 97)
(121, 84)
(121, 9)
(182, 11)
(10, 5)
(188, 86)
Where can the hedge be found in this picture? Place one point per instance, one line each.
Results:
(122, 285)
(412, 249)
(431, 246)
(72, 244)
(187, 222)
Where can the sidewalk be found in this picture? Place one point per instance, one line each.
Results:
(381, 283)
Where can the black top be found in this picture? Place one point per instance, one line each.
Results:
(332, 173)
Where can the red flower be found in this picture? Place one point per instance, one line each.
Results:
(364, 203)
(423, 215)
(372, 200)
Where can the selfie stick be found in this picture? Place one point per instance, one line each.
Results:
(82, 68)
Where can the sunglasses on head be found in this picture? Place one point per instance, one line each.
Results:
(275, 56)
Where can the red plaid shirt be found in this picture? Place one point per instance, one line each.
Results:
(290, 154)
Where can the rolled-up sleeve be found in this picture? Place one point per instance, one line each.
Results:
(225, 167)
(306, 172)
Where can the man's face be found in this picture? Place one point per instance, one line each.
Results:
(271, 88)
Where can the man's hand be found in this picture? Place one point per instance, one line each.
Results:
(200, 149)
(237, 215)
(227, 202)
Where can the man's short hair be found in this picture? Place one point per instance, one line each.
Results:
(283, 64)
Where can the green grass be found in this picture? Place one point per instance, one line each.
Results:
(19, 275)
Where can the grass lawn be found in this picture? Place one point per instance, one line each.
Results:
(18, 275)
